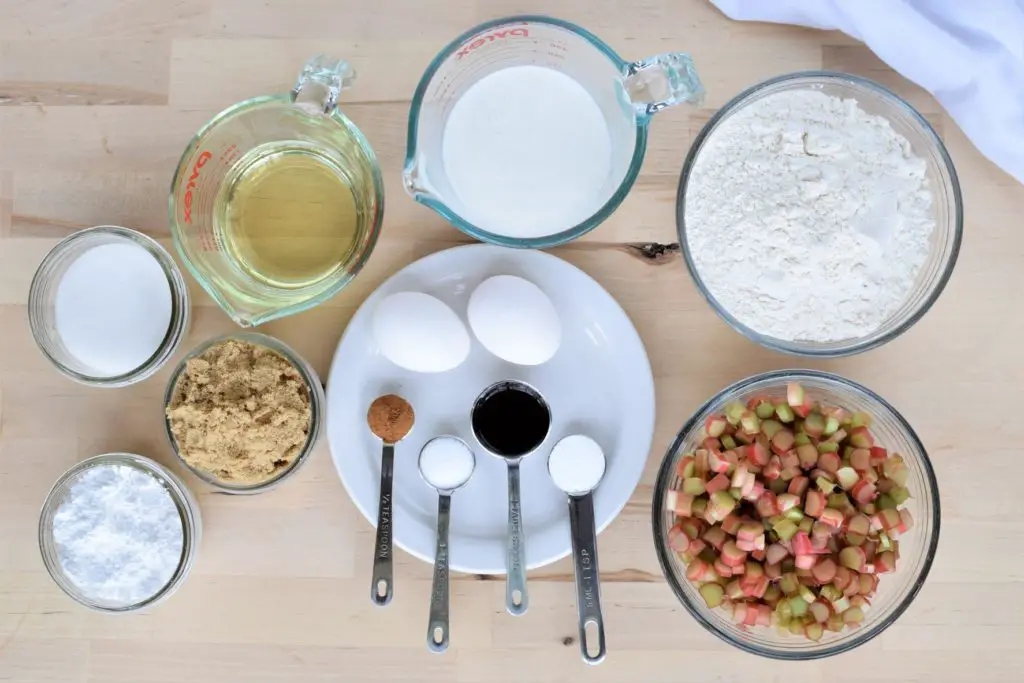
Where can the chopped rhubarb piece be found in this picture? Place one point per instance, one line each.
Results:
(864, 492)
(697, 570)
(711, 445)
(776, 553)
(715, 425)
(767, 504)
(770, 427)
(750, 422)
(782, 441)
(733, 590)
(721, 505)
(732, 555)
(860, 460)
(852, 557)
(722, 569)
(788, 501)
(712, 594)
(860, 437)
(802, 544)
(784, 413)
(785, 529)
(831, 425)
(677, 539)
(757, 454)
(764, 409)
(853, 616)
(699, 507)
(828, 447)
(717, 462)
(716, 537)
(731, 524)
(795, 395)
(685, 467)
(693, 486)
(739, 477)
(841, 605)
(824, 571)
(679, 503)
(878, 456)
(720, 482)
(808, 456)
(790, 461)
(814, 425)
(728, 441)
(831, 517)
(885, 562)
(830, 462)
(847, 477)
(773, 469)
(859, 524)
(820, 611)
(798, 485)
(814, 504)
(843, 578)
(733, 411)
(814, 631)
(861, 419)
(789, 473)
(697, 546)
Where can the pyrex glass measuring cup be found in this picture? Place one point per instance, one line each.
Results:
(627, 94)
(289, 157)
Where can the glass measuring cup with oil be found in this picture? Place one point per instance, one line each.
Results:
(277, 202)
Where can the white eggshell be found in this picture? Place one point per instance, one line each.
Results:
(515, 320)
(419, 332)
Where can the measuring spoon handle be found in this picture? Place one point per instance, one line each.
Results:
(382, 588)
(438, 624)
(588, 580)
(516, 598)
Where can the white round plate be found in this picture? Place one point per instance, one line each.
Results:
(599, 383)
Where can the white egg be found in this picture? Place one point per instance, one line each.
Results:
(419, 332)
(515, 320)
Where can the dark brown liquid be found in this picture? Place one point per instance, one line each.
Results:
(511, 419)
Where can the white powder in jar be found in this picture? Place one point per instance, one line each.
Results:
(112, 308)
(118, 534)
(807, 218)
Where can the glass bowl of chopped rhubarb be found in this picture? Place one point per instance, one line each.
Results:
(796, 515)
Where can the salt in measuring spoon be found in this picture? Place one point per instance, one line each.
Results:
(390, 418)
(511, 420)
(446, 463)
(576, 465)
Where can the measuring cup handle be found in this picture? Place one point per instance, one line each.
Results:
(583, 530)
(321, 81)
(439, 622)
(662, 81)
(382, 587)
(515, 562)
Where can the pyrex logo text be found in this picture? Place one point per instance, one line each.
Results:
(203, 158)
(490, 38)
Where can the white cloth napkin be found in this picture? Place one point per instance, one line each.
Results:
(969, 54)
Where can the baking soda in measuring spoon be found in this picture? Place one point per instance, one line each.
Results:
(527, 152)
(112, 308)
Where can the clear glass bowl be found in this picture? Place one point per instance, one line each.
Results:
(191, 525)
(917, 547)
(43, 291)
(947, 205)
(317, 401)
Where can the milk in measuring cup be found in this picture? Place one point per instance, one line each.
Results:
(528, 152)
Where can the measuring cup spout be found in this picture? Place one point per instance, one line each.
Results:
(321, 82)
(662, 81)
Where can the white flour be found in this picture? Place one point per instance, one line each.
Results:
(528, 153)
(807, 218)
(118, 534)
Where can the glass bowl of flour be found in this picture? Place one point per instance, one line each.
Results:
(119, 532)
(819, 214)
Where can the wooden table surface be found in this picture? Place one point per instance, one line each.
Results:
(97, 100)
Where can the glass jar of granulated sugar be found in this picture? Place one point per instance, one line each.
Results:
(108, 306)
(119, 532)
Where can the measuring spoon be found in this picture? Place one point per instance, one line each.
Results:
(510, 420)
(576, 465)
(390, 418)
(446, 463)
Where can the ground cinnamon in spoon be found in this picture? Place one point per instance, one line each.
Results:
(240, 412)
(390, 417)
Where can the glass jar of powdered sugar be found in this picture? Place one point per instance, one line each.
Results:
(108, 306)
(119, 532)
